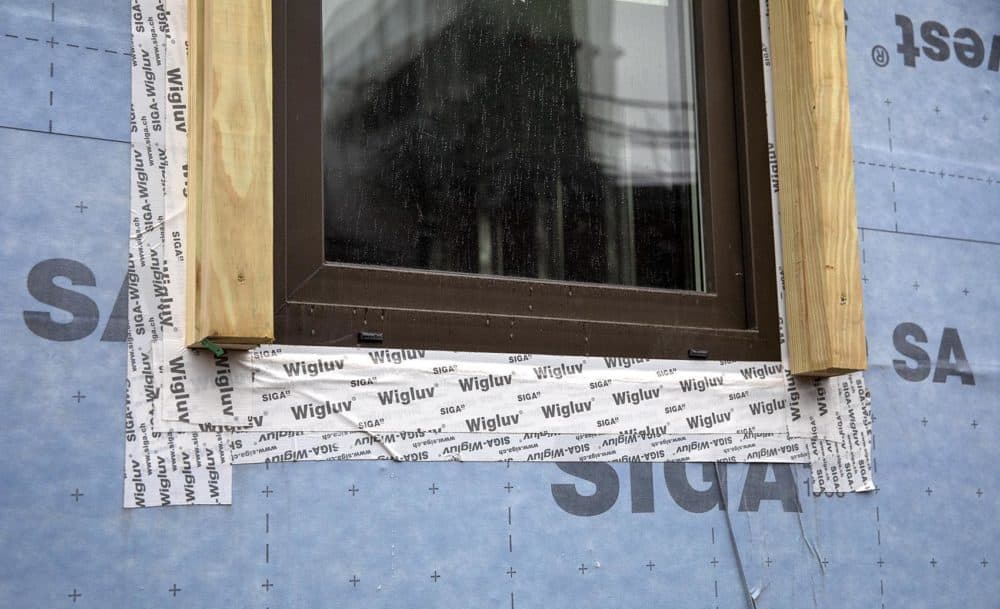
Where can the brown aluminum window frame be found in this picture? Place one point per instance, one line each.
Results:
(324, 303)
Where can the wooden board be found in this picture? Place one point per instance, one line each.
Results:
(230, 174)
(825, 319)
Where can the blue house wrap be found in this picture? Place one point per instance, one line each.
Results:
(925, 103)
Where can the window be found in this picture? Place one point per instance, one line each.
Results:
(538, 176)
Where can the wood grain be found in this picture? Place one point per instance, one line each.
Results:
(822, 276)
(230, 174)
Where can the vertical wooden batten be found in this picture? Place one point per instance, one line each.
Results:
(230, 174)
(822, 275)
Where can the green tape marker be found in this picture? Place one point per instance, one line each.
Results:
(214, 348)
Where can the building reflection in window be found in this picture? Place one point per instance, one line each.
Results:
(551, 139)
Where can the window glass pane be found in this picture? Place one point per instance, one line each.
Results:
(551, 139)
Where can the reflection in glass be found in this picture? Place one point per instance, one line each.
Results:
(550, 139)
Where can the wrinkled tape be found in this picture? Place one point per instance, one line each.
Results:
(343, 389)
(161, 467)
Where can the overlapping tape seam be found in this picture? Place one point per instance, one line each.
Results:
(190, 415)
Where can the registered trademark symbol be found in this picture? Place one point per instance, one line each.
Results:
(880, 56)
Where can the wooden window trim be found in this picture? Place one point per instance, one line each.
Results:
(819, 219)
(803, 30)
(230, 174)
